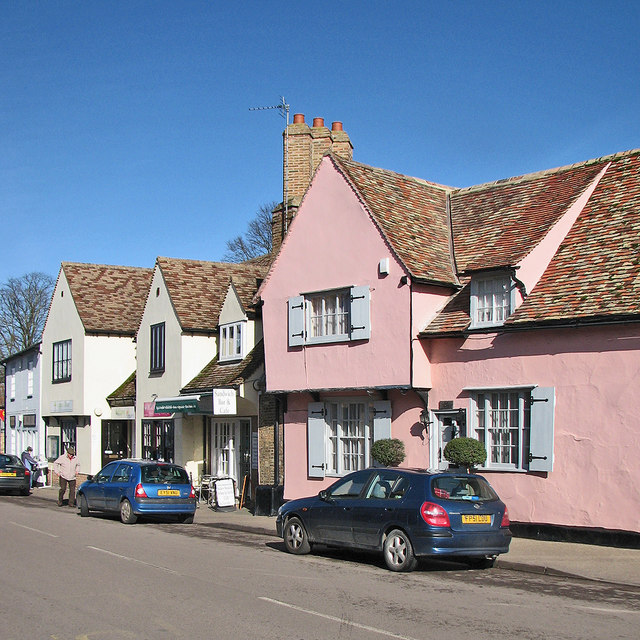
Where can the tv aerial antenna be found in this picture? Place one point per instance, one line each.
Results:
(283, 108)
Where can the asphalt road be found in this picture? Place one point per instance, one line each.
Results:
(66, 577)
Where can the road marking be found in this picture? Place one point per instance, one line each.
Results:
(44, 533)
(129, 559)
(604, 609)
(341, 621)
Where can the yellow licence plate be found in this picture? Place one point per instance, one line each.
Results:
(168, 492)
(476, 519)
(7, 474)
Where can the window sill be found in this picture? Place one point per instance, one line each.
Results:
(326, 340)
(61, 380)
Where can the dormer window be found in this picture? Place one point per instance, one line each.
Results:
(492, 299)
(232, 341)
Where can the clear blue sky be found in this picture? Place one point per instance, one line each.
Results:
(125, 129)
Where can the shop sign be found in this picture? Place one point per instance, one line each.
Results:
(224, 402)
(180, 404)
(123, 413)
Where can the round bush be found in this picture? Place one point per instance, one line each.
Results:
(389, 452)
(465, 452)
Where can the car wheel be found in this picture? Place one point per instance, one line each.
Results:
(186, 518)
(398, 552)
(295, 537)
(126, 513)
(482, 562)
(84, 506)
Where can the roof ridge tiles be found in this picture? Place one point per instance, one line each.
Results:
(545, 172)
(347, 163)
(68, 263)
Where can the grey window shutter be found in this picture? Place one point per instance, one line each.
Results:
(360, 313)
(296, 321)
(316, 439)
(381, 420)
(543, 401)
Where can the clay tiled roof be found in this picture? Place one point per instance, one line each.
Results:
(126, 391)
(216, 374)
(109, 299)
(594, 275)
(198, 288)
(596, 270)
(500, 223)
(411, 213)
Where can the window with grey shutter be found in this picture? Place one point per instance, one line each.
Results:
(381, 420)
(316, 439)
(543, 401)
(296, 321)
(360, 313)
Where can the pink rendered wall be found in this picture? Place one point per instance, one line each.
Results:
(332, 242)
(595, 478)
(427, 301)
(405, 425)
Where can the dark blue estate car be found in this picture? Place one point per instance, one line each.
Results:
(404, 513)
(14, 475)
(136, 488)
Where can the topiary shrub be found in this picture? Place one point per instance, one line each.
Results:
(465, 452)
(389, 452)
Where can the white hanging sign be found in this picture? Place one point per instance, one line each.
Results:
(224, 402)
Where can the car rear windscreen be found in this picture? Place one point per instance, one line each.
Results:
(163, 474)
(462, 488)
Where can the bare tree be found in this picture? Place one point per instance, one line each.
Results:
(24, 303)
(256, 241)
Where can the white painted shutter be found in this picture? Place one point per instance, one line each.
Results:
(296, 321)
(381, 420)
(543, 402)
(316, 439)
(360, 313)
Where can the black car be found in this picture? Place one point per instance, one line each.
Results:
(14, 475)
(405, 514)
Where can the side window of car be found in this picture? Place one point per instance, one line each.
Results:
(122, 474)
(350, 487)
(388, 486)
(105, 474)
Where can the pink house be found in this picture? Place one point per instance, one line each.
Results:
(507, 312)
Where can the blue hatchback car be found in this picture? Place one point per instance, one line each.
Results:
(136, 488)
(404, 513)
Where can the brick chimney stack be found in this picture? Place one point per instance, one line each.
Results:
(306, 147)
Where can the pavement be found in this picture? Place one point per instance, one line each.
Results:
(613, 565)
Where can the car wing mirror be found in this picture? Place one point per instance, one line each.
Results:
(89, 478)
(324, 495)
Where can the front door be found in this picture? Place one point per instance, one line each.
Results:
(447, 427)
(231, 449)
(116, 440)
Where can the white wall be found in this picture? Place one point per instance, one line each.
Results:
(63, 323)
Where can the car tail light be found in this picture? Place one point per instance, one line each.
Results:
(505, 518)
(27, 472)
(140, 492)
(434, 514)
(192, 494)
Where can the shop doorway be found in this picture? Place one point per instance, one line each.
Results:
(157, 440)
(230, 448)
(116, 440)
